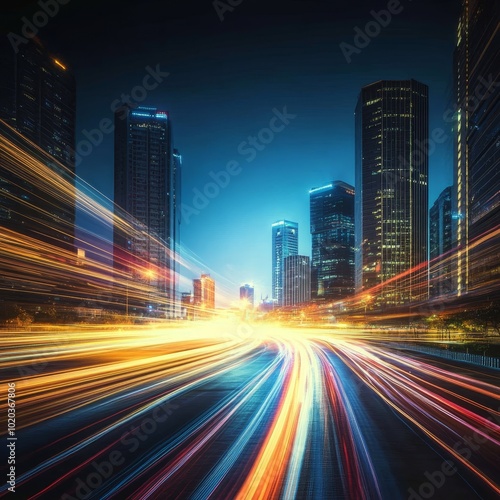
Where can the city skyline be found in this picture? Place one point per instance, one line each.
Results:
(210, 148)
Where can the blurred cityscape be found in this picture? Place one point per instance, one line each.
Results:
(377, 251)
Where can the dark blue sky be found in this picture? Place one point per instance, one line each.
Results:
(225, 79)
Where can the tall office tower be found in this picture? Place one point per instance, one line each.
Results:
(247, 294)
(176, 224)
(39, 100)
(441, 244)
(391, 212)
(144, 229)
(285, 243)
(477, 162)
(332, 232)
(46, 102)
(204, 296)
(296, 280)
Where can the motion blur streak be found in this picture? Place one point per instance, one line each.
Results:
(196, 412)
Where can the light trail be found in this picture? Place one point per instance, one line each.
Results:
(285, 422)
(39, 241)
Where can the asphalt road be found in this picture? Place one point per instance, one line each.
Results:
(224, 410)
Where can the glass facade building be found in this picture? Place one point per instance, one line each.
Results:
(247, 293)
(204, 296)
(146, 217)
(296, 280)
(477, 158)
(45, 102)
(441, 245)
(39, 101)
(391, 212)
(332, 235)
(285, 242)
(176, 229)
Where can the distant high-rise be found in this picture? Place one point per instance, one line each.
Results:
(39, 100)
(441, 244)
(285, 242)
(145, 193)
(477, 162)
(332, 232)
(204, 295)
(296, 280)
(391, 213)
(247, 294)
(186, 305)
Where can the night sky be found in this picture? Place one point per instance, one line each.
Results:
(225, 79)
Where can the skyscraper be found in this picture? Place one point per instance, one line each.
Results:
(285, 242)
(176, 224)
(204, 295)
(477, 162)
(247, 294)
(45, 102)
(391, 212)
(296, 280)
(145, 195)
(332, 232)
(39, 101)
(441, 244)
